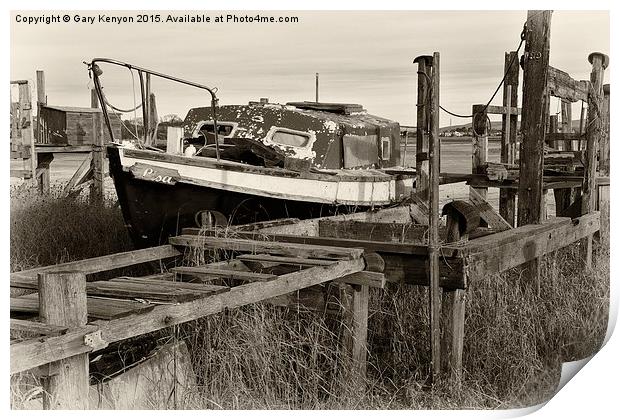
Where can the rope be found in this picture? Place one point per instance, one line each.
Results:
(503, 78)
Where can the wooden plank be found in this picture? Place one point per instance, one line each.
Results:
(561, 85)
(387, 232)
(487, 212)
(169, 282)
(30, 354)
(168, 315)
(594, 133)
(40, 328)
(266, 224)
(304, 262)
(412, 269)
(99, 308)
(506, 237)
(133, 290)
(43, 148)
(62, 300)
(433, 222)
(310, 227)
(237, 275)
(367, 246)
(27, 279)
(364, 278)
(525, 248)
(79, 175)
(418, 208)
(503, 110)
(257, 246)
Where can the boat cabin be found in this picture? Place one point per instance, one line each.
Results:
(325, 135)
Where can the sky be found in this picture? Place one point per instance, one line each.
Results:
(363, 57)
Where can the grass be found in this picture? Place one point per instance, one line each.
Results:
(266, 357)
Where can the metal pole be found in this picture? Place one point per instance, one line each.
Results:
(316, 80)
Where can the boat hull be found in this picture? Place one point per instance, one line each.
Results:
(153, 211)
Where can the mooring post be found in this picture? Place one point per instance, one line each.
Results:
(594, 131)
(453, 317)
(433, 222)
(565, 196)
(62, 301)
(360, 328)
(96, 188)
(603, 200)
(536, 64)
(43, 170)
(421, 156)
(480, 143)
(510, 121)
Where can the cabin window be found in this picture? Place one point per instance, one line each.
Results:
(359, 151)
(289, 137)
(386, 148)
(225, 129)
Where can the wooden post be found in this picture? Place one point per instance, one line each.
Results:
(567, 119)
(433, 222)
(582, 119)
(453, 318)
(603, 204)
(605, 139)
(43, 180)
(62, 301)
(533, 125)
(96, 188)
(421, 156)
(480, 143)
(594, 132)
(510, 122)
(360, 328)
(554, 128)
(94, 100)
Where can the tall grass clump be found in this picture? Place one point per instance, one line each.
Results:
(48, 229)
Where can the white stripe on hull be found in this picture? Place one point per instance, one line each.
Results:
(364, 193)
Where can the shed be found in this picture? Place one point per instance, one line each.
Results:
(73, 126)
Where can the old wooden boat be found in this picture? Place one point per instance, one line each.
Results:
(267, 161)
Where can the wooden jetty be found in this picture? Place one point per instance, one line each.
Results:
(58, 129)
(283, 261)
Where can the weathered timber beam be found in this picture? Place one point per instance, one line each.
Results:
(290, 240)
(27, 279)
(491, 242)
(501, 110)
(562, 137)
(411, 269)
(487, 212)
(561, 85)
(41, 148)
(40, 351)
(388, 232)
(168, 315)
(33, 327)
(524, 249)
(267, 246)
(364, 278)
